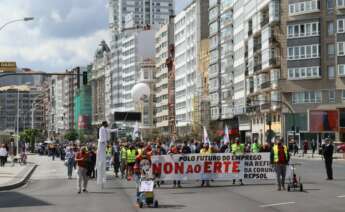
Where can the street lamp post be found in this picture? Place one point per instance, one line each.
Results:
(17, 20)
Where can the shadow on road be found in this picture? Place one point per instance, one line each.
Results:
(15, 199)
(172, 206)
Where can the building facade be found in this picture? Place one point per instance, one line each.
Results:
(20, 108)
(165, 78)
(190, 30)
(101, 63)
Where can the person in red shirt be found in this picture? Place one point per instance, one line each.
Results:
(82, 160)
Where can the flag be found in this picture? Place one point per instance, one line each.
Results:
(206, 139)
(226, 135)
(136, 131)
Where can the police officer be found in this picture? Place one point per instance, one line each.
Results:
(328, 155)
(237, 149)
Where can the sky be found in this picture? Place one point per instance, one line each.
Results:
(63, 35)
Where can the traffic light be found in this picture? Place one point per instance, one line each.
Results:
(84, 78)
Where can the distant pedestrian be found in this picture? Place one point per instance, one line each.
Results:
(305, 147)
(3, 155)
(116, 158)
(328, 155)
(279, 159)
(70, 161)
(91, 163)
(295, 148)
(313, 147)
(81, 159)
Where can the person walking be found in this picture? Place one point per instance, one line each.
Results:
(328, 155)
(131, 156)
(305, 147)
(123, 160)
(70, 161)
(279, 159)
(116, 158)
(3, 155)
(92, 157)
(81, 159)
(237, 149)
(313, 147)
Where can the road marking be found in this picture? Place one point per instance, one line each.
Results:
(341, 196)
(277, 204)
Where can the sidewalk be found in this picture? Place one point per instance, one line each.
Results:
(12, 177)
(308, 156)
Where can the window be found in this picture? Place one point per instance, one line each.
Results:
(304, 73)
(340, 25)
(331, 96)
(329, 4)
(304, 7)
(343, 95)
(303, 30)
(331, 50)
(306, 97)
(330, 26)
(341, 70)
(340, 48)
(340, 3)
(304, 52)
(330, 70)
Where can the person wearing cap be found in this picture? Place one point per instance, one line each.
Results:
(328, 155)
(279, 159)
(237, 149)
(81, 159)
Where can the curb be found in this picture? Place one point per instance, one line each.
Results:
(21, 182)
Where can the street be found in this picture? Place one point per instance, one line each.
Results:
(49, 190)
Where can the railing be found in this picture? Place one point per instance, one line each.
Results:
(266, 85)
(264, 22)
(257, 67)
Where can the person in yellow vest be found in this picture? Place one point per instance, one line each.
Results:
(108, 154)
(206, 150)
(279, 159)
(237, 149)
(131, 156)
(255, 147)
(123, 160)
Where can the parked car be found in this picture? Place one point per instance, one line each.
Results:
(341, 148)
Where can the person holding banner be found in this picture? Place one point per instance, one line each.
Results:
(255, 148)
(206, 150)
(279, 159)
(237, 149)
(175, 150)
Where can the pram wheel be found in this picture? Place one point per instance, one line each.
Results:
(141, 204)
(155, 204)
(301, 187)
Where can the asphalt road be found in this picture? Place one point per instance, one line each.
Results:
(50, 191)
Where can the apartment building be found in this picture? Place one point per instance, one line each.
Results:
(190, 30)
(165, 78)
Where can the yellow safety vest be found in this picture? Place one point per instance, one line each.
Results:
(131, 156)
(275, 153)
(123, 153)
(237, 149)
(255, 148)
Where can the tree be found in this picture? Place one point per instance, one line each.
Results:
(71, 135)
(30, 135)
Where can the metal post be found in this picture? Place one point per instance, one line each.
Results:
(17, 130)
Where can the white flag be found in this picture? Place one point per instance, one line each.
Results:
(206, 139)
(226, 135)
(136, 131)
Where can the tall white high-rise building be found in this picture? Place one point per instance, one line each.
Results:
(127, 20)
(190, 29)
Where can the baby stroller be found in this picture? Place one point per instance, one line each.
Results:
(145, 194)
(294, 183)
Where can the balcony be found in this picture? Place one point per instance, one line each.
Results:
(257, 47)
(265, 85)
(264, 22)
(266, 106)
(253, 109)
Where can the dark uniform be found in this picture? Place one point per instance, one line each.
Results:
(328, 155)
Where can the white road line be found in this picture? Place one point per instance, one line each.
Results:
(277, 204)
(341, 196)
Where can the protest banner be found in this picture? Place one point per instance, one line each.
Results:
(213, 166)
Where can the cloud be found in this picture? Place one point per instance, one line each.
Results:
(64, 34)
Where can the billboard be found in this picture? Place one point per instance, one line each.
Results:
(127, 116)
(323, 120)
(8, 67)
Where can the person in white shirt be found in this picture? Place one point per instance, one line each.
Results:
(3, 155)
(104, 137)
